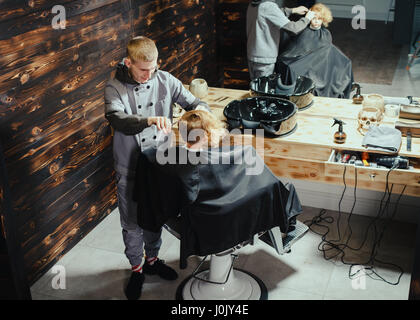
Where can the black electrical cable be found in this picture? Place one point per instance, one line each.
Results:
(326, 245)
(331, 243)
(378, 239)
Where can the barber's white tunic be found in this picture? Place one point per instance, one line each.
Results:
(127, 107)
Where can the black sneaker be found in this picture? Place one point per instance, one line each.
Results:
(134, 286)
(161, 269)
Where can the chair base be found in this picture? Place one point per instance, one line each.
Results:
(242, 285)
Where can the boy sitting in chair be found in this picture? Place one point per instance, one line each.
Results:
(225, 194)
(313, 55)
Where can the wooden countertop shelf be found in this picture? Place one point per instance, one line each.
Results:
(304, 154)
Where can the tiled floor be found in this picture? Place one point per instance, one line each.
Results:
(405, 83)
(96, 268)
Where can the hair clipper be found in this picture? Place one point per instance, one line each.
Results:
(393, 162)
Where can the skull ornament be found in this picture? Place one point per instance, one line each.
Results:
(369, 117)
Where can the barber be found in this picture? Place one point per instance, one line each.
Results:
(264, 20)
(138, 105)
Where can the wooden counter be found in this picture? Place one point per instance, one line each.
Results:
(304, 154)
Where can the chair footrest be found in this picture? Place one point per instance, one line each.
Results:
(294, 236)
(283, 245)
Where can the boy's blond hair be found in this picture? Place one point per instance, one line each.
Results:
(142, 49)
(324, 13)
(206, 121)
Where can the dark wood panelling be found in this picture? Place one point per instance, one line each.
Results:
(52, 124)
(232, 37)
(414, 293)
(13, 284)
(57, 143)
(183, 30)
(232, 41)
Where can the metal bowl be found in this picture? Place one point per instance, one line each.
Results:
(276, 116)
(301, 95)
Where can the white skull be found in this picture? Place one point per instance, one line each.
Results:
(369, 117)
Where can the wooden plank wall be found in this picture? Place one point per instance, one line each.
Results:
(56, 141)
(185, 33)
(13, 284)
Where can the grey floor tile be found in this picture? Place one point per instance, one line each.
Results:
(302, 274)
(41, 296)
(107, 235)
(157, 289)
(91, 274)
(366, 285)
(404, 83)
(305, 273)
(94, 273)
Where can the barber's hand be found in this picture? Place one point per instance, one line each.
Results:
(310, 15)
(162, 123)
(300, 10)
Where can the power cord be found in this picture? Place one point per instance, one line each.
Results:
(338, 244)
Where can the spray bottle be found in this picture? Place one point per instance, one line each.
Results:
(339, 136)
(357, 97)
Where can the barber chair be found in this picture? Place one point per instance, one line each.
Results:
(221, 281)
(190, 192)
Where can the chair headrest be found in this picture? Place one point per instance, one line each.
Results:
(284, 89)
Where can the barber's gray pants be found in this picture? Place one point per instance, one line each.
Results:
(257, 70)
(134, 237)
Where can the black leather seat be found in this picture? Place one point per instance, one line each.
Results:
(221, 207)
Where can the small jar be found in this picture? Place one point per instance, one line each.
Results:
(199, 88)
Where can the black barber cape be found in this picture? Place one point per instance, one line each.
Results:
(312, 54)
(224, 197)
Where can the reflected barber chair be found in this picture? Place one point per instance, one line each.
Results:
(221, 281)
(299, 92)
(278, 117)
(213, 216)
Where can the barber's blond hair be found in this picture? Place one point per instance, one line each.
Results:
(142, 49)
(324, 13)
(206, 121)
